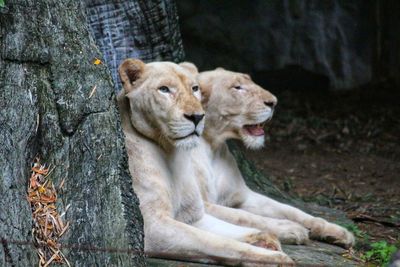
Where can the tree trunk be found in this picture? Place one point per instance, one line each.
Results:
(55, 103)
(143, 29)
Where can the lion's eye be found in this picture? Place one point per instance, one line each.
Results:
(164, 89)
(195, 88)
(238, 87)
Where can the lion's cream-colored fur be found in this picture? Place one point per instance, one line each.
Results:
(232, 101)
(156, 106)
(240, 102)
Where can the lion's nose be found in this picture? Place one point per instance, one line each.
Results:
(195, 118)
(270, 104)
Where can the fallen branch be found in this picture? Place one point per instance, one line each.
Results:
(366, 218)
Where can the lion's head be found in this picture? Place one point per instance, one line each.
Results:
(236, 107)
(164, 101)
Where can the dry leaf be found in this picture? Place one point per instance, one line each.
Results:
(48, 224)
(97, 61)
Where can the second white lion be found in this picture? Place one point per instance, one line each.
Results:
(237, 108)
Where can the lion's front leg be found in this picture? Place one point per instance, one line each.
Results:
(319, 228)
(165, 236)
(288, 232)
(329, 232)
(253, 236)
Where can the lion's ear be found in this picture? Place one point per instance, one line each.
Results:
(247, 76)
(205, 88)
(189, 67)
(130, 71)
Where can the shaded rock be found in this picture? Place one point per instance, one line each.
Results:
(331, 39)
(388, 40)
(314, 254)
(318, 254)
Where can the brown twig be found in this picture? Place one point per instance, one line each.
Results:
(366, 218)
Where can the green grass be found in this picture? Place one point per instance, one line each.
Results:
(356, 231)
(379, 253)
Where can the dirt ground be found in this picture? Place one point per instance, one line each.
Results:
(342, 150)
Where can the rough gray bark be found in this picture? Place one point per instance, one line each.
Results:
(143, 29)
(46, 77)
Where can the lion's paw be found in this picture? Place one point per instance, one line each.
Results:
(290, 232)
(264, 240)
(331, 233)
(281, 260)
(285, 260)
(271, 258)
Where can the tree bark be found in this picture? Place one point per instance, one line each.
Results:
(57, 104)
(143, 29)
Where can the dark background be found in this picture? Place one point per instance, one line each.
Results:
(335, 68)
(295, 44)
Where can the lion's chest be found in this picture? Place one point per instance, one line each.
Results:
(217, 175)
(187, 205)
(185, 194)
(163, 181)
(204, 172)
(226, 185)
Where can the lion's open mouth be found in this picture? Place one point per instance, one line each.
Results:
(255, 129)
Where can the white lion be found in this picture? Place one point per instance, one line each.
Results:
(162, 119)
(238, 108)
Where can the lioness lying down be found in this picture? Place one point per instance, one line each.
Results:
(238, 108)
(162, 120)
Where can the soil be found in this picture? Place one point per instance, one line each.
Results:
(342, 150)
